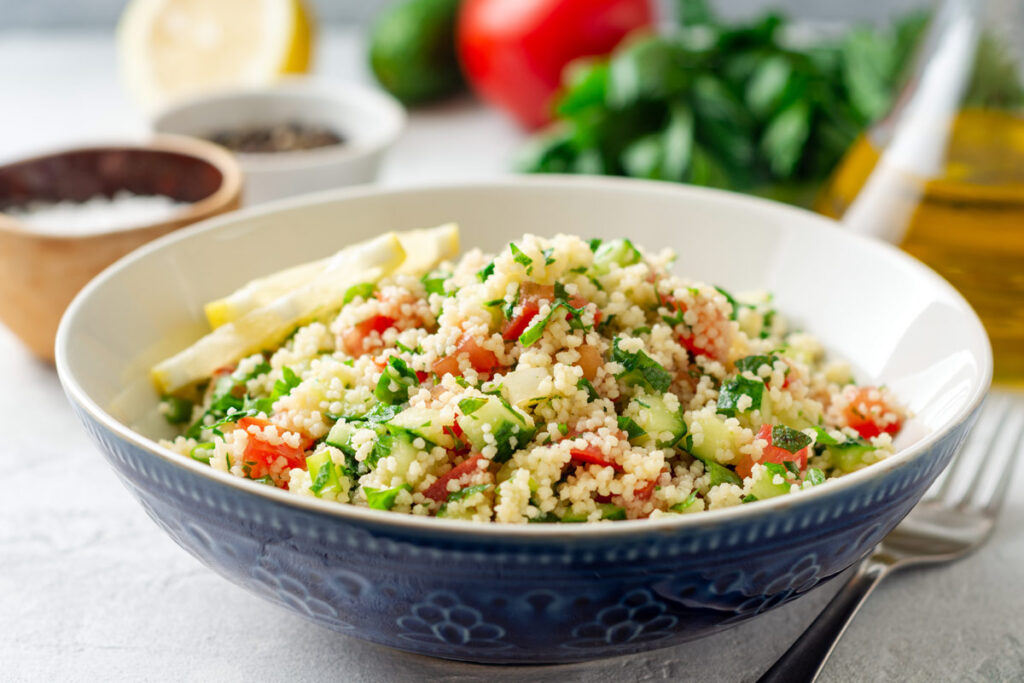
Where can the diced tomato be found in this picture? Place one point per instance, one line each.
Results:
(260, 455)
(592, 455)
(771, 453)
(868, 413)
(646, 491)
(353, 338)
(599, 498)
(518, 325)
(422, 376)
(439, 489)
(590, 360)
(532, 296)
(483, 360)
(687, 342)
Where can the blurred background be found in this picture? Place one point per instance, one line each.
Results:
(903, 118)
(99, 14)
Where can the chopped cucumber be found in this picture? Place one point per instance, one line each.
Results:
(341, 434)
(326, 476)
(511, 428)
(846, 455)
(717, 437)
(764, 485)
(425, 423)
(660, 425)
(615, 254)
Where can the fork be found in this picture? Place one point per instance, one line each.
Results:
(950, 522)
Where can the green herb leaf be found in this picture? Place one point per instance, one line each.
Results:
(485, 272)
(384, 499)
(468, 406)
(789, 439)
(680, 507)
(395, 382)
(752, 364)
(640, 369)
(586, 385)
(176, 410)
(466, 492)
(433, 282)
(518, 256)
(629, 425)
(732, 391)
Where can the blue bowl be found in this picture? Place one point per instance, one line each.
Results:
(536, 593)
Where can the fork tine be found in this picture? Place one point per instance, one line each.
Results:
(978, 440)
(1014, 447)
(987, 451)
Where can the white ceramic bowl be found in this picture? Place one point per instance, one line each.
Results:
(537, 592)
(369, 120)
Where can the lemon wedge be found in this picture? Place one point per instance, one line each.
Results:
(423, 249)
(171, 48)
(267, 326)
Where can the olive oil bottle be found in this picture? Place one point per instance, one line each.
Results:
(943, 174)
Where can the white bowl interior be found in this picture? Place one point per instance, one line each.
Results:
(897, 322)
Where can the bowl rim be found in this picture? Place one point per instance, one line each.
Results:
(228, 191)
(384, 108)
(521, 532)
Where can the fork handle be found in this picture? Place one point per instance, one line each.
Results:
(803, 661)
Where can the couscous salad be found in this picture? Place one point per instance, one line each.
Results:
(559, 380)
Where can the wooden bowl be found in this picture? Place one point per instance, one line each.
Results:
(42, 271)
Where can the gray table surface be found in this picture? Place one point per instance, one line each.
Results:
(91, 589)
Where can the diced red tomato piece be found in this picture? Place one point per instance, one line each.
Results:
(439, 489)
(422, 376)
(353, 338)
(483, 360)
(771, 453)
(866, 412)
(532, 295)
(592, 455)
(687, 342)
(260, 455)
(646, 491)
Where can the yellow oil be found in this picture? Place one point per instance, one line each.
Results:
(967, 223)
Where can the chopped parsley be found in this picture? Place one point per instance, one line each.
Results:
(586, 386)
(433, 282)
(732, 302)
(563, 429)
(176, 410)
(629, 425)
(534, 332)
(522, 259)
(384, 499)
(680, 507)
(751, 364)
(468, 406)
(395, 382)
(640, 369)
(731, 392)
(789, 439)
(466, 492)
(485, 272)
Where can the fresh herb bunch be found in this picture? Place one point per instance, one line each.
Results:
(738, 106)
